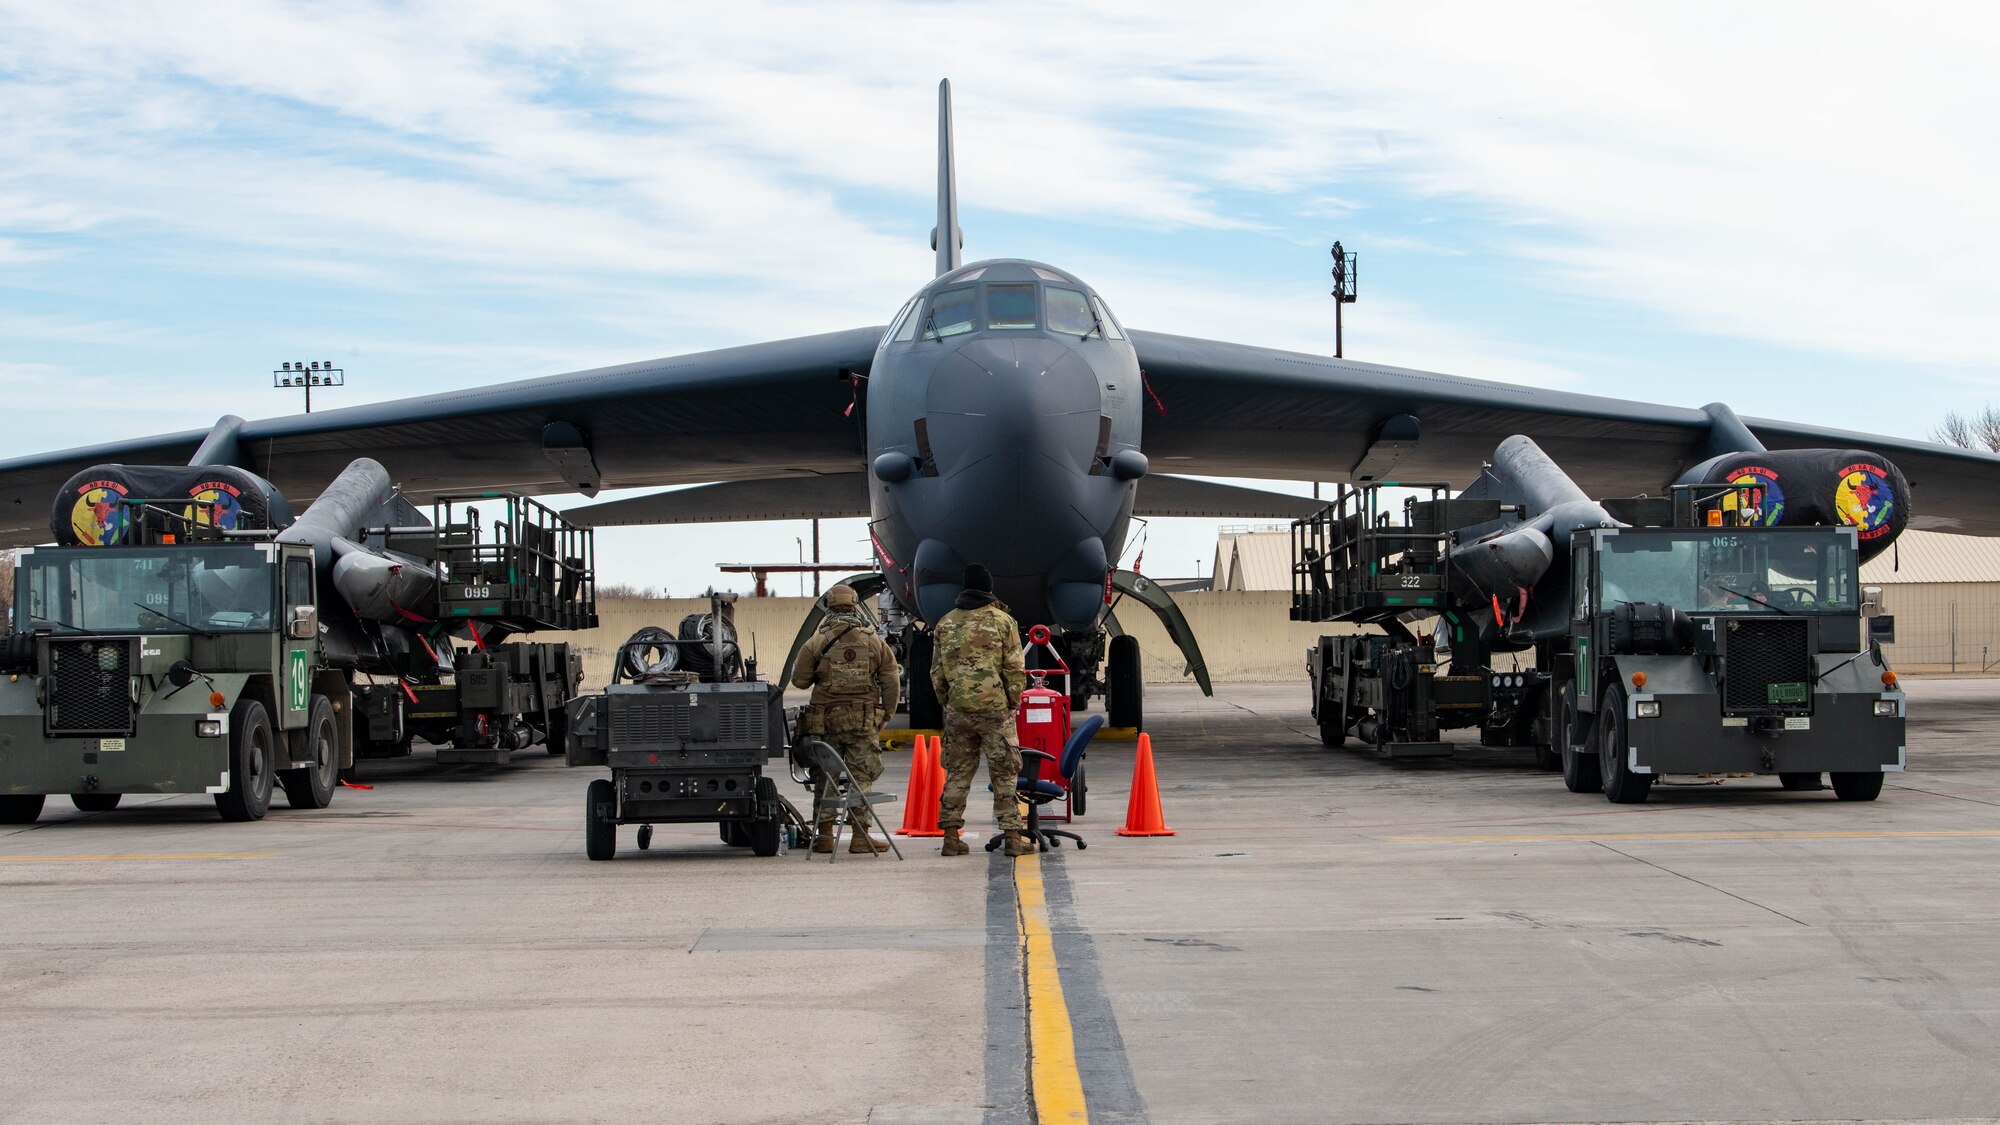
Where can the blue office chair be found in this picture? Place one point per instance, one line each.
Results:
(1033, 789)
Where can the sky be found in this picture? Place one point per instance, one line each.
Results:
(1781, 206)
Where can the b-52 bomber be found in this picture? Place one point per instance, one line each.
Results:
(1003, 416)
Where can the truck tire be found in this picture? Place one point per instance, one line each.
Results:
(1124, 685)
(600, 829)
(311, 787)
(765, 830)
(1621, 785)
(251, 757)
(734, 834)
(95, 802)
(1801, 782)
(926, 713)
(1333, 736)
(15, 809)
(1581, 773)
(1857, 786)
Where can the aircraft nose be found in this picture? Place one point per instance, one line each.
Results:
(1034, 394)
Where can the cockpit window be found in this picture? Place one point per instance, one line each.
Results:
(1069, 313)
(1104, 314)
(950, 313)
(1010, 306)
(1048, 275)
(906, 325)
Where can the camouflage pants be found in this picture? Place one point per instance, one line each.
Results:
(967, 739)
(862, 755)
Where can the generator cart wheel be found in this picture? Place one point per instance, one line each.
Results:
(1079, 789)
(1802, 782)
(1124, 685)
(1621, 785)
(21, 810)
(95, 802)
(764, 831)
(251, 756)
(645, 836)
(311, 787)
(1581, 773)
(600, 831)
(1857, 786)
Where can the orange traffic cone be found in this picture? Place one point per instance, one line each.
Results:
(913, 797)
(1142, 813)
(926, 786)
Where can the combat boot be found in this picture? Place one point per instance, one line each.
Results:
(1018, 843)
(952, 844)
(865, 844)
(823, 843)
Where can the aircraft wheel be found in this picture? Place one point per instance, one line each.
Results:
(95, 802)
(1621, 785)
(600, 829)
(1857, 786)
(1581, 773)
(926, 713)
(1801, 782)
(16, 809)
(252, 747)
(1124, 687)
(312, 787)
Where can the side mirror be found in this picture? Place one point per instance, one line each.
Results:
(180, 673)
(305, 623)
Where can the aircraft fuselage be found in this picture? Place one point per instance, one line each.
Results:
(1003, 421)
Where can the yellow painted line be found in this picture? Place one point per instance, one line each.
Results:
(1056, 1086)
(1589, 837)
(115, 857)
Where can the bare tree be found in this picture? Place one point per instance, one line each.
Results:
(626, 591)
(1980, 430)
(6, 586)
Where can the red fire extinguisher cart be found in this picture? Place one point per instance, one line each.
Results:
(1042, 723)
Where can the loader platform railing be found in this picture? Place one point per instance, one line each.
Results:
(521, 565)
(1355, 560)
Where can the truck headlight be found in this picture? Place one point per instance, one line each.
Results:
(1886, 707)
(1649, 708)
(208, 728)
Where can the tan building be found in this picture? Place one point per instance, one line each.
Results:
(1944, 591)
(1251, 559)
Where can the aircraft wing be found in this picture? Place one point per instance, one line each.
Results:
(745, 412)
(1236, 410)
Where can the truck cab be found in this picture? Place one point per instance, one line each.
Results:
(1697, 647)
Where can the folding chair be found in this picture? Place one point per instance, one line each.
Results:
(838, 794)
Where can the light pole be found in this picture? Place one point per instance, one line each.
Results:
(802, 564)
(308, 376)
(1343, 293)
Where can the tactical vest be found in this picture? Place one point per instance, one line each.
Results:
(846, 697)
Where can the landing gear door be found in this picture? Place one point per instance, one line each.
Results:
(300, 652)
(1160, 602)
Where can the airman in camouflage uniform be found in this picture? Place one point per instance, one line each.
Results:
(852, 674)
(978, 674)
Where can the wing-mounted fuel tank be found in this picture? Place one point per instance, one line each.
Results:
(1510, 561)
(377, 584)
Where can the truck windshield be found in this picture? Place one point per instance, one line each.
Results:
(141, 590)
(1779, 570)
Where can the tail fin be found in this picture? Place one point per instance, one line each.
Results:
(946, 238)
